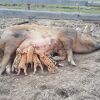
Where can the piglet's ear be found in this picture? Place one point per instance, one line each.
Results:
(25, 50)
(41, 53)
(18, 51)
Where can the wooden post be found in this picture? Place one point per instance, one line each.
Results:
(29, 8)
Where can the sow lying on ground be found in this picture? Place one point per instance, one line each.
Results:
(62, 40)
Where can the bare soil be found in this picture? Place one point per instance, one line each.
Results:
(69, 83)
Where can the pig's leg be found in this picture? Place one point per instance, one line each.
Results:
(8, 51)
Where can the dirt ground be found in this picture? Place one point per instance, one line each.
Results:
(69, 83)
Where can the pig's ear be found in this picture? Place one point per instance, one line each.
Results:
(25, 50)
(39, 52)
(18, 51)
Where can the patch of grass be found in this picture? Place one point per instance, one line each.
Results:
(91, 0)
(13, 6)
(56, 8)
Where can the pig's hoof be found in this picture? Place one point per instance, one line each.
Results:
(8, 70)
(2, 70)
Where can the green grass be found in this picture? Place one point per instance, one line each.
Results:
(13, 6)
(91, 0)
(56, 8)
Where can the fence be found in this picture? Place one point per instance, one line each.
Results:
(48, 14)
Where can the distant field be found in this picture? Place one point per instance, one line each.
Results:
(57, 8)
(90, 0)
